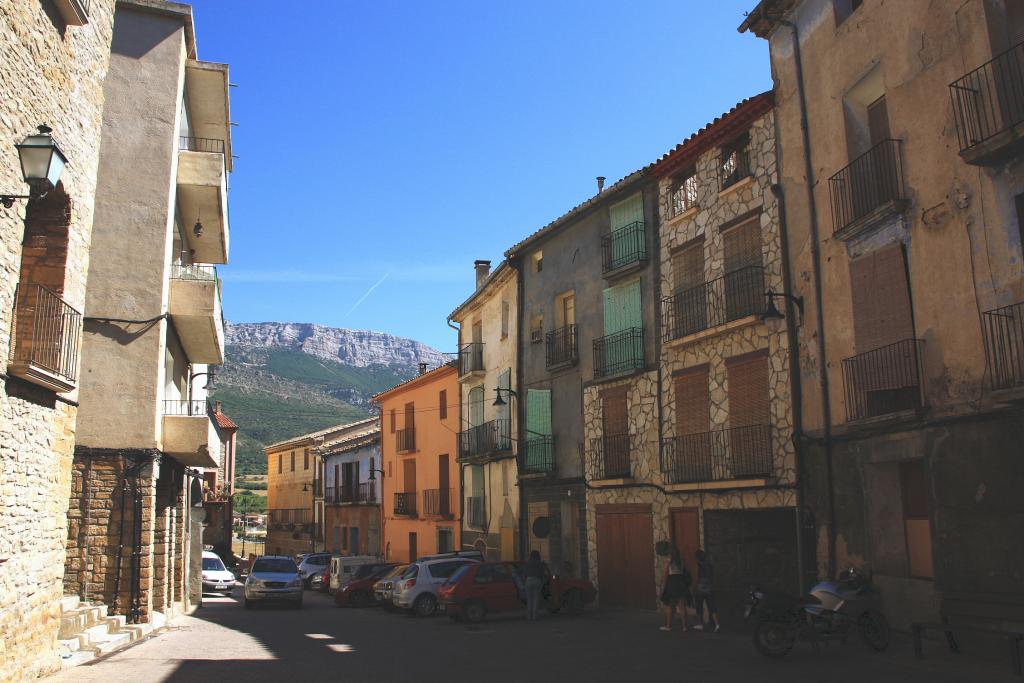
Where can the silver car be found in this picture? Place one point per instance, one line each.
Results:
(273, 577)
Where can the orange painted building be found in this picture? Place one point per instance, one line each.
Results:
(422, 492)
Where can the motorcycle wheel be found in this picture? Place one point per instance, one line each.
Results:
(874, 629)
(773, 638)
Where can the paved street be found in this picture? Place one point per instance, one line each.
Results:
(222, 642)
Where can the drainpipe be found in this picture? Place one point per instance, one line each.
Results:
(818, 308)
(462, 469)
(521, 432)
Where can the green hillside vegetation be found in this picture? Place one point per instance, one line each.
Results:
(307, 369)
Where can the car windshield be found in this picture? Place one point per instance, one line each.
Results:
(459, 573)
(274, 566)
(365, 571)
(396, 572)
(411, 572)
(212, 564)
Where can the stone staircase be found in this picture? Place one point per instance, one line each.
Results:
(87, 632)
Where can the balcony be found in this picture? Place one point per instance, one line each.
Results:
(610, 457)
(868, 191)
(884, 381)
(733, 168)
(189, 435)
(74, 12)
(405, 504)
(988, 105)
(437, 503)
(619, 353)
(195, 307)
(44, 339)
(490, 437)
(735, 296)
(560, 349)
(203, 196)
(1004, 345)
(471, 360)
(349, 494)
(405, 440)
(720, 455)
(539, 455)
(289, 519)
(624, 248)
(476, 512)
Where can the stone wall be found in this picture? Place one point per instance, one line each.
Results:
(49, 74)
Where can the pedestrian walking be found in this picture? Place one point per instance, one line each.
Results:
(706, 593)
(676, 592)
(534, 573)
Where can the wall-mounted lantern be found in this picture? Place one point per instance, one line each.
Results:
(42, 162)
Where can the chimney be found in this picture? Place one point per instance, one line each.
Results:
(483, 269)
(600, 183)
(216, 406)
(423, 368)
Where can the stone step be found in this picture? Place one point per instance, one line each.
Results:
(69, 603)
(75, 621)
(69, 645)
(111, 641)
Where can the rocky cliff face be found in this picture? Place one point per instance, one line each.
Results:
(356, 348)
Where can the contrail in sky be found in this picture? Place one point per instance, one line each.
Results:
(368, 293)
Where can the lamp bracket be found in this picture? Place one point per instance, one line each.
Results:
(8, 199)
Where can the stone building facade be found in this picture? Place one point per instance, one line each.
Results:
(904, 197)
(488, 354)
(52, 69)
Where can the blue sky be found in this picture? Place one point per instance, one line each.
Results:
(384, 146)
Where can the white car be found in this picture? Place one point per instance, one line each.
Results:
(273, 577)
(216, 577)
(313, 563)
(417, 589)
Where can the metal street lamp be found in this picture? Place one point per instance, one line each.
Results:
(42, 162)
(771, 311)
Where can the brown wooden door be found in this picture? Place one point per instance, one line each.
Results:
(444, 505)
(686, 536)
(410, 415)
(878, 121)
(625, 556)
(409, 476)
(413, 551)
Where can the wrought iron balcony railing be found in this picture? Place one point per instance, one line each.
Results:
(476, 512)
(437, 502)
(735, 295)
(471, 358)
(611, 457)
(720, 455)
(289, 516)
(989, 100)
(734, 168)
(186, 408)
(349, 493)
(560, 347)
(1004, 345)
(491, 437)
(405, 504)
(619, 353)
(869, 182)
(193, 144)
(624, 246)
(193, 271)
(884, 380)
(44, 336)
(539, 455)
(405, 440)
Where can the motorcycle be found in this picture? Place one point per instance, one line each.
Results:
(830, 612)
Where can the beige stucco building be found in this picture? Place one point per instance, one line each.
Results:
(153, 324)
(52, 67)
(488, 347)
(899, 127)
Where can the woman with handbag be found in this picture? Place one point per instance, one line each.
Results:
(676, 593)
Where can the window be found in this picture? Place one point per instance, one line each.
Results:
(915, 519)
(293, 461)
(882, 312)
(444, 540)
(734, 162)
(392, 420)
(538, 261)
(744, 275)
(280, 463)
(565, 309)
(683, 196)
(476, 406)
(537, 329)
(344, 538)
(844, 8)
(693, 402)
(442, 408)
(747, 376)
(504, 477)
(504, 319)
(305, 458)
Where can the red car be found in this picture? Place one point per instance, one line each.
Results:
(476, 589)
(358, 592)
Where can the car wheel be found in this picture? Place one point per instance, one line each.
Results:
(574, 603)
(359, 599)
(475, 611)
(425, 605)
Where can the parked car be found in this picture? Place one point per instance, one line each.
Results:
(417, 589)
(313, 563)
(383, 588)
(476, 590)
(319, 579)
(342, 568)
(274, 577)
(359, 591)
(216, 577)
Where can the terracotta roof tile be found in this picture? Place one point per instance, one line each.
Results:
(223, 421)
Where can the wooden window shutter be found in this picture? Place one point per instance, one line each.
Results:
(410, 415)
(688, 267)
(392, 420)
(748, 390)
(742, 245)
(693, 402)
(615, 416)
(442, 408)
(881, 299)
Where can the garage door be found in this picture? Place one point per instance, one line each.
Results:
(625, 556)
(750, 547)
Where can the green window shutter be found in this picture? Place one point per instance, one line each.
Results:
(476, 406)
(538, 412)
(628, 211)
(628, 245)
(622, 307)
(505, 384)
